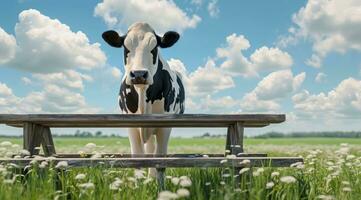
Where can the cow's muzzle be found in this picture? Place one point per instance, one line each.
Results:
(138, 76)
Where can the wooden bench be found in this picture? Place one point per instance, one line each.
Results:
(36, 133)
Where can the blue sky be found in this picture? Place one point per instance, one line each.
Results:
(301, 58)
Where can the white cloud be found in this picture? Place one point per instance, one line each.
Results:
(197, 2)
(330, 25)
(213, 9)
(267, 59)
(251, 103)
(7, 46)
(46, 45)
(320, 77)
(221, 104)
(342, 101)
(116, 73)
(69, 79)
(52, 99)
(271, 89)
(264, 59)
(26, 80)
(278, 84)
(205, 80)
(162, 15)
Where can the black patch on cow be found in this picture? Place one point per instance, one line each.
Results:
(154, 53)
(126, 51)
(180, 97)
(128, 100)
(161, 87)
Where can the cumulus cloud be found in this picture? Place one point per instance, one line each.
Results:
(207, 79)
(221, 104)
(320, 77)
(162, 15)
(329, 25)
(68, 79)
(271, 89)
(7, 46)
(264, 59)
(52, 99)
(213, 9)
(45, 45)
(26, 80)
(342, 101)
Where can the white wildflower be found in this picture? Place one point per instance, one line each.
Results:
(226, 175)
(350, 157)
(80, 177)
(208, 183)
(270, 185)
(260, 170)
(8, 181)
(6, 144)
(175, 180)
(90, 145)
(182, 192)
(256, 173)
(274, 174)
(222, 183)
(288, 179)
(87, 186)
(223, 161)
(232, 156)
(326, 197)
(245, 162)
(185, 181)
(24, 152)
(62, 164)
(346, 189)
(243, 170)
(345, 183)
(167, 195)
(296, 164)
(116, 184)
(43, 164)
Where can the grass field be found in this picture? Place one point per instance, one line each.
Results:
(332, 170)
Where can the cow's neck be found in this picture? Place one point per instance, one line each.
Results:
(161, 84)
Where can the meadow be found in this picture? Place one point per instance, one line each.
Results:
(332, 170)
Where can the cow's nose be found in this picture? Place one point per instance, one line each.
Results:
(138, 76)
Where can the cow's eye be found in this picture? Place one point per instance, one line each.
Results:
(154, 53)
(126, 51)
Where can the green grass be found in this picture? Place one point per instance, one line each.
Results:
(329, 172)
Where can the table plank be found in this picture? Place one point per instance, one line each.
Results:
(166, 162)
(136, 120)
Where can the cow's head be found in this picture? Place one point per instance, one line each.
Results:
(140, 51)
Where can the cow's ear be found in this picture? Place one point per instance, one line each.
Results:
(113, 38)
(168, 39)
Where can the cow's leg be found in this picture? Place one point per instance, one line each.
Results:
(162, 148)
(136, 145)
(150, 149)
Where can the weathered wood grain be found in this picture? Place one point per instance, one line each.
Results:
(107, 155)
(153, 120)
(166, 162)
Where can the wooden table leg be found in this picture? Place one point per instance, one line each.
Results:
(36, 135)
(234, 145)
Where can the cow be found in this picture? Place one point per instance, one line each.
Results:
(149, 85)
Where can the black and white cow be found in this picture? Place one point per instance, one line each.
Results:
(149, 85)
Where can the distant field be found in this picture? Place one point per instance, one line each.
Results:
(202, 145)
